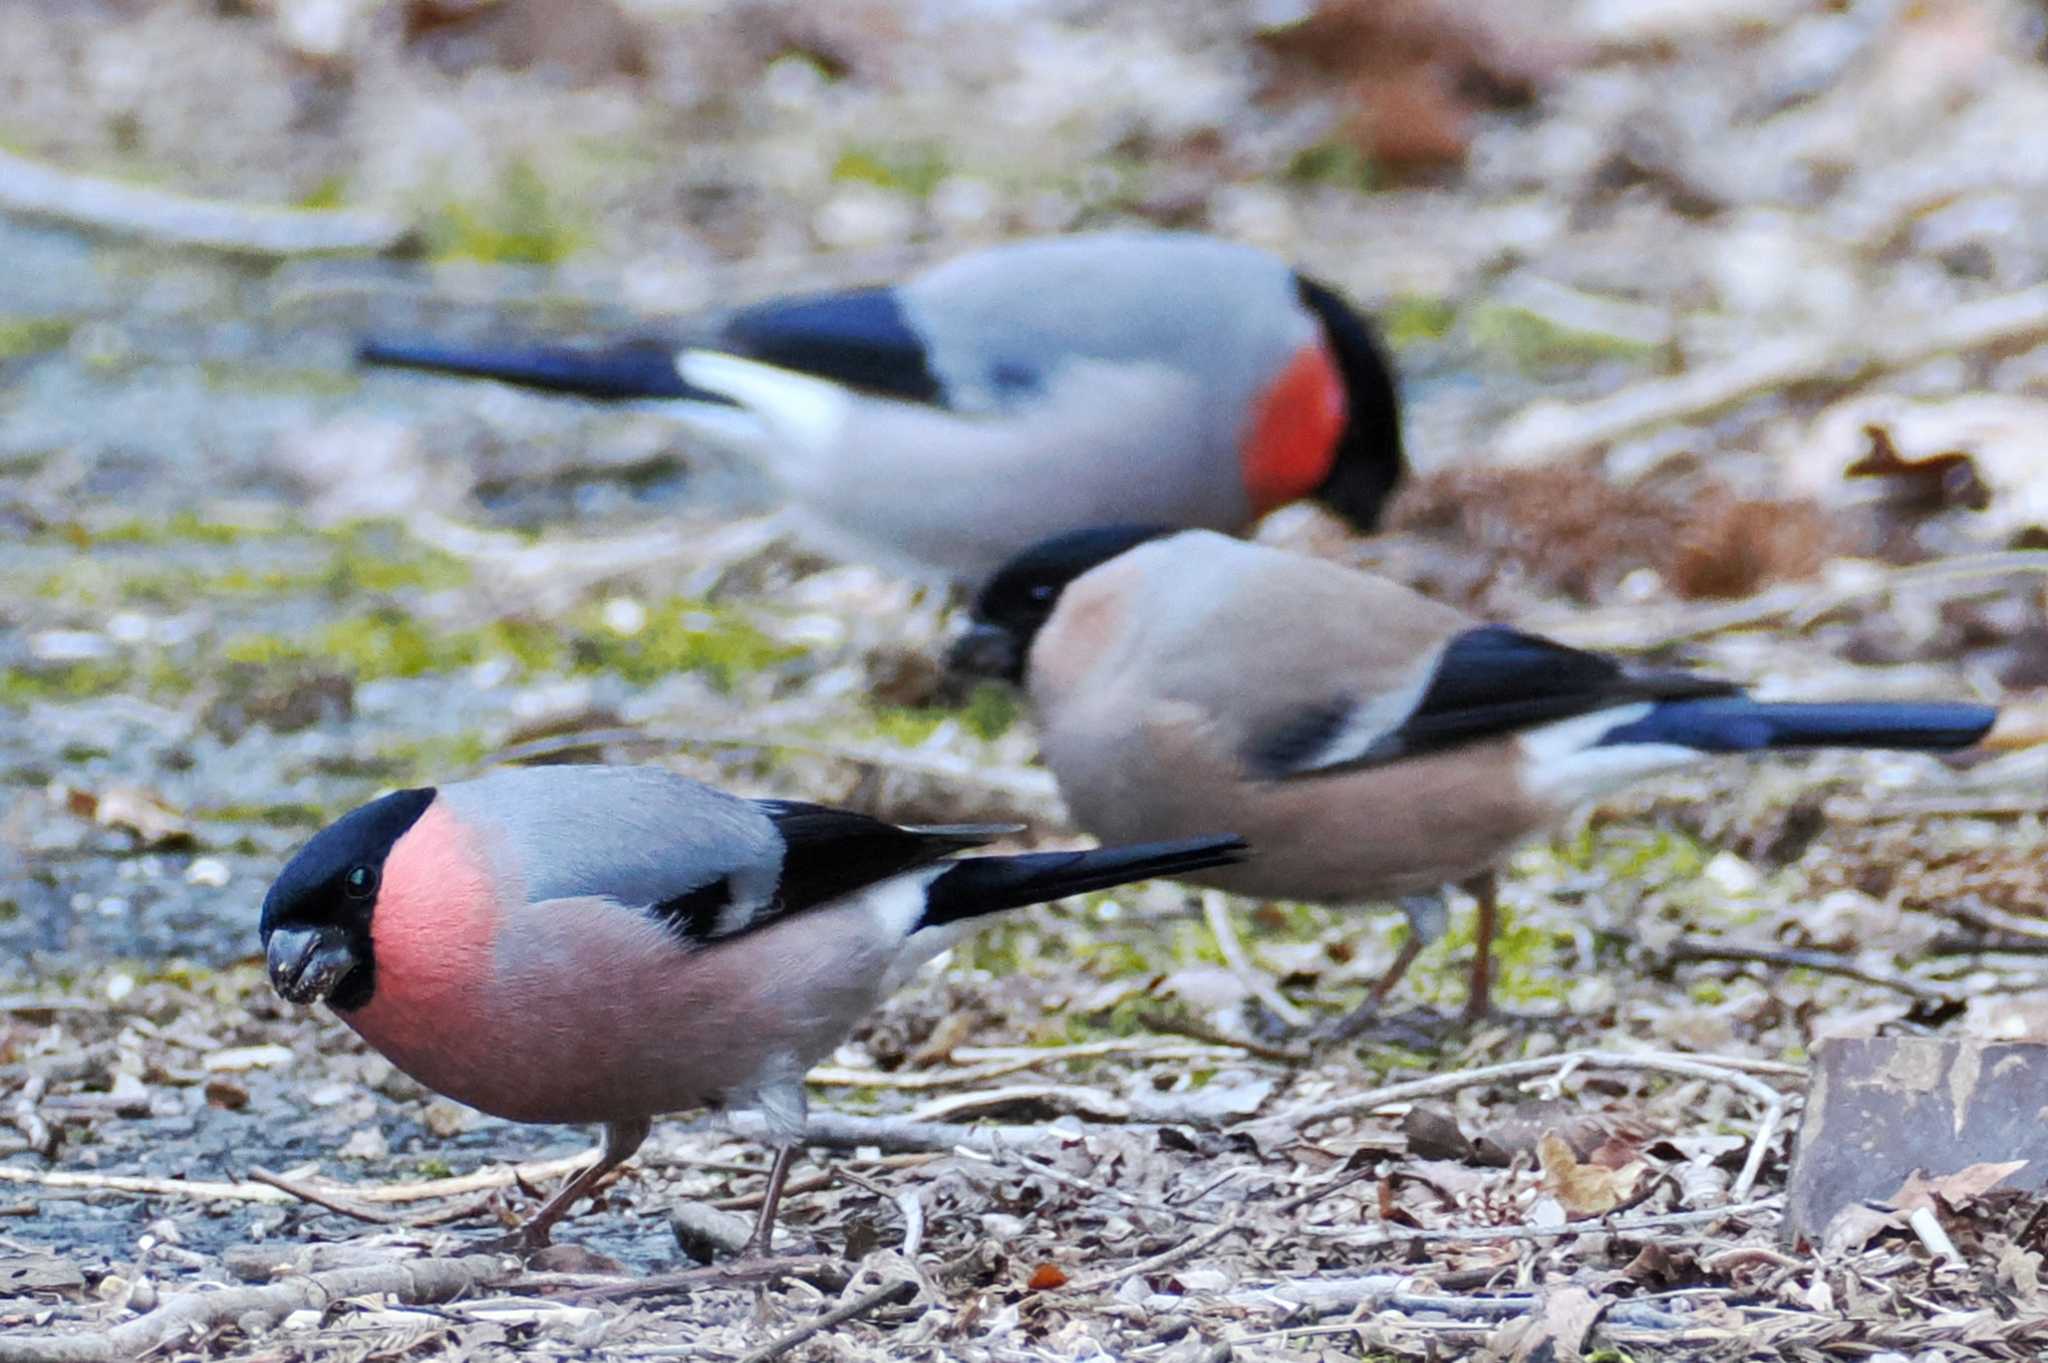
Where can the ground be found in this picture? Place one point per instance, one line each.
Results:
(1654, 287)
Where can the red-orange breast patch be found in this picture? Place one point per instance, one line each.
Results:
(1292, 439)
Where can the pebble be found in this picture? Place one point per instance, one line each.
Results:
(236, 1058)
(210, 872)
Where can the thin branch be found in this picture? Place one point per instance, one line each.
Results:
(1216, 914)
(483, 1180)
(1180, 1253)
(1489, 1234)
(1289, 1125)
(844, 1130)
(1791, 958)
(34, 189)
(1219, 1049)
(415, 1282)
(1180, 1024)
(320, 1199)
(611, 1287)
(1547, 430)
(893, 1290)
(1972, 909)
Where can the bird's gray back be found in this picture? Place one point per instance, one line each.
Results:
(998, 321)
(639, 835)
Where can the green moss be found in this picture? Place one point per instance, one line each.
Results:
(180, 527)
(524, 222)
(390, 643)
(988, 714)
(362, 565)
(431, 760)
(21, 687)
(1123, 1019)
(1337, 162)
(679, 635)
(435, 1167)
(224, 376)
(21, 336)
(913, 168)
(281, 814)
(1413, 319)
(328, 194)
(1529, 340)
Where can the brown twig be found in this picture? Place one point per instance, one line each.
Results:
(483, 1180)
(587, 1287)
(1548, 430)
(1790, 958)
(1180, 1253)
(890, 1291)
(415, 1282)
(1288, 1125)
(1180, 1024)
(320, 1199)
(1590, 1226)
(1971, 909)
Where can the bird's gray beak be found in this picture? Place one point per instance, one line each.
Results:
(307, 963)
(986, 651)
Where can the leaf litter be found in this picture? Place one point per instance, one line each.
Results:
(1032, 1168)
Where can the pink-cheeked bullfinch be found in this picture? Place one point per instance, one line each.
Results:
(607, 944)
(1370, 744)
(946, 423)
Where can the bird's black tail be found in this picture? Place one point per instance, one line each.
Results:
(981, 885)
(627, 370)
(1738, 724)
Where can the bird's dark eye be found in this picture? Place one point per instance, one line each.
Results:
(1042, 592)
(360, 882)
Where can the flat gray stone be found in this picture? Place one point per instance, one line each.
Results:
(1877, 1108)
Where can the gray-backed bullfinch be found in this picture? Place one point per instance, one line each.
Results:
(946, 423)
(606, 944)
(1369, 743)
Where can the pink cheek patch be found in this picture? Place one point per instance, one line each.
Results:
(1292, 441)
(435, 921)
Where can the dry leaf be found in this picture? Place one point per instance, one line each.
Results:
(226, 1093)
(1047, 1278)
(131, 809)
(1855, 1226)
(1984, 452)
(1958, 1190)
(1559, 1330)
(1584, 1189)
(2019, 1270)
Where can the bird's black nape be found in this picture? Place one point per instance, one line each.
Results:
(1014, 605)
(1369, 462)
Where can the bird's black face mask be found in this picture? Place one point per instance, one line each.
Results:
(1015, 604)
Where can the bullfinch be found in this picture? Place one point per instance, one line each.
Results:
(1371, 745)
(941, 425)
(606, 944)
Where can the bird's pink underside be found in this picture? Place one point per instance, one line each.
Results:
(575, 1010)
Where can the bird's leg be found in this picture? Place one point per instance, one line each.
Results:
(763, 1238)
(621, 1139)
(1426, 915)
(1484, 887)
